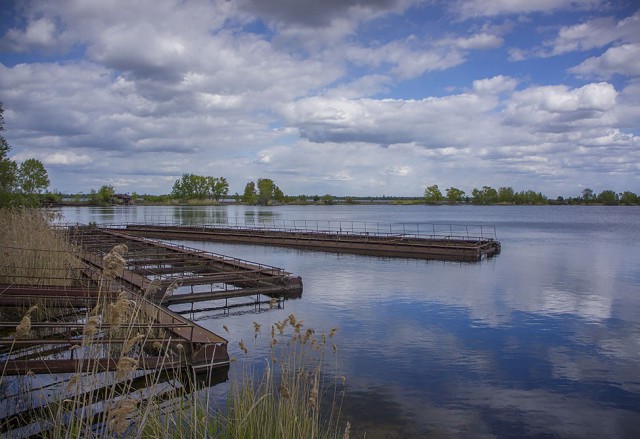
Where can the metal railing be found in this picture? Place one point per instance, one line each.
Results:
(421, 230)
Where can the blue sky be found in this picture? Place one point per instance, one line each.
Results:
(346, 97)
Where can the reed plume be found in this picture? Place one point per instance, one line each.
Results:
(118, 419)
(131, 343)
(91, 327)
(347, 430)
(125, 366)
(112, 264)
(120, 249)
(24, 327)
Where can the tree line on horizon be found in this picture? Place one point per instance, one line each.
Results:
(264, 191)
(507, 195)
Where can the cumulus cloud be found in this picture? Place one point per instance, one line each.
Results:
(429, 122)
(558, 109)
(39, 34)
(594, 34)
(497, 84)
(623, 60)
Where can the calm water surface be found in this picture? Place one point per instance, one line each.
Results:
(540, 341)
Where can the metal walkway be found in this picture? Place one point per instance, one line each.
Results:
(416, 240)
(171, 267)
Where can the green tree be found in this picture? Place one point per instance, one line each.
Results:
(486, 195)
(278, 195)
(191, 186)
(505, 195)
(8, 168)
(588, 196)
(103, 196)
(33, 177)
(432, 195)
(250, 195)
(608, 198)
(529, 197)
(217, 187)
(455, 195)
(268, 192)
(629, 198)
(327, 199)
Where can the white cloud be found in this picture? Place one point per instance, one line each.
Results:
(595, 34)
(497, 84)
(481, 41)
(623, 60)
(66, 158)
(429, 121)
(555, 108)
(39, 34)
(406, 60)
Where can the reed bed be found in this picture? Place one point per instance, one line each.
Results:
(294, 396)
(290, 396)
(32, 251)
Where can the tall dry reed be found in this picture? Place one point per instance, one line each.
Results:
(32, 251)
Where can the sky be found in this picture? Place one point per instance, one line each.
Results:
(341, 97)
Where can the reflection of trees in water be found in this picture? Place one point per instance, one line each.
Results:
(260, 216)
(189, 215)
(106, 215)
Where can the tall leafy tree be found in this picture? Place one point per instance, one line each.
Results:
(217, 187)
(588, 196)
(268, 191)
(455, 195)
(192, 186)
(102, 196)
(486, 195)
(505, 194)
(629, 198)
(608, 198)
(33, 177)
(433, 195)
(250, 195)
(8, 168)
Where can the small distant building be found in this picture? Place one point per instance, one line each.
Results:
(124, 199)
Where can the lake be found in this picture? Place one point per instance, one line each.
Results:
(541, 341)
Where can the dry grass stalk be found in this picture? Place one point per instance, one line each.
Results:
(120, 249)
(152, 289)
(112, 264)
(125, 366)
(24, 327)
(119, 417)
(131, 343)
(118, 312)
(347, 430)
(91, 327)
(32, 252)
